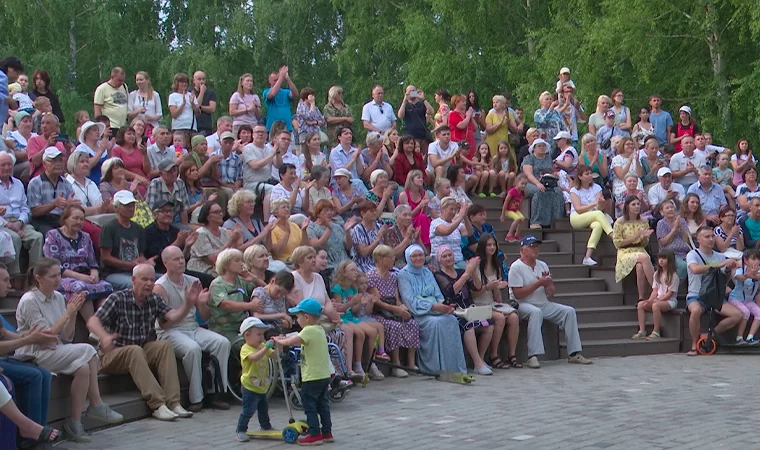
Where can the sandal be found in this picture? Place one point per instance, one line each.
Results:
(692, 352)
(513, 362)
(45, 436)
(497, 363)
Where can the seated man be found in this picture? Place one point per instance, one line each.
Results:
(697, 263)
(49, 193)
(231, 165)
(685, 165)
(711, 195)
(123, 324)
(186, 337)
(530, 283)
(441, 153)
(32, 382)
(167, 188)
(122, 243)
(665, 189)
(15, 220)
(161, 150)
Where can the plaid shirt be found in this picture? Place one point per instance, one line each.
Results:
(42, 191)
(132, 322)
(159, 191)
(230, 168)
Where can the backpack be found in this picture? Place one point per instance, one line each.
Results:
(713, 288)
(211, 374)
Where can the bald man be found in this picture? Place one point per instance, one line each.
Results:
(207, 98)
(16, 215)
(123, 324)
(111, 100)
(187, 338)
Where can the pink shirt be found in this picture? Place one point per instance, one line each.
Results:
(133, 161)
(36, 145)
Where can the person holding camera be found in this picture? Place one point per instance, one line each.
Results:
(606, 132)
(547, 202)
(586, 211)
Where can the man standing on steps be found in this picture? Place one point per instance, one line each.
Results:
(698, 262)
(530, 283)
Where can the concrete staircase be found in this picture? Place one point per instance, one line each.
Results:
(606, 309)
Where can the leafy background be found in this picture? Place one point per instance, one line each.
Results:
(700, 52)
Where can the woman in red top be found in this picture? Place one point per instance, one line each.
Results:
(416, 196)
(134, 155)
(407, 160)
(684, 127)
(461, 124)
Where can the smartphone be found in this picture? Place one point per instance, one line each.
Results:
(62, 138)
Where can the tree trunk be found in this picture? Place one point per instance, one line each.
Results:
(72, 77)
(716, 57)
(531, 44)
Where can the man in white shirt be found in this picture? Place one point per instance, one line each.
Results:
(214, 140)
(259, 160)
(530, 283)
(665, 189)
(378, 115)
(685, 165)
(441, 153)
(161, 150)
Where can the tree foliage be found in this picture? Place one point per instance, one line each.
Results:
(701, 52)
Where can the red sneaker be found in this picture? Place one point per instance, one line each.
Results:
(328, 437)
(311, 440)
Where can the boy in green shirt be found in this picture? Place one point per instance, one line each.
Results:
(254, 357)
(315, 370)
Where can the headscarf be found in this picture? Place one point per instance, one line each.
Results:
(197, 139)
(409, 267)
(439, 253)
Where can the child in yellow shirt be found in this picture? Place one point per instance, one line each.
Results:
(254, 357)
(315, 370)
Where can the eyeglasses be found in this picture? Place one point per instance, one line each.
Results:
(381, 108)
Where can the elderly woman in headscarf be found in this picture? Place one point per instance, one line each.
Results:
(547, 203)
(440, 343)
(208, 170)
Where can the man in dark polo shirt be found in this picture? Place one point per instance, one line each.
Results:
(207, 98)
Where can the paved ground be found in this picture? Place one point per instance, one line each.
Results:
(653, 402)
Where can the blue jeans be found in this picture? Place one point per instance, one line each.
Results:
(32, 386)
(7, 427)
(315, 405)
(254, 402)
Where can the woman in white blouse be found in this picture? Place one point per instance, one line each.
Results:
(145, 103)
(183, 105)
(586, 203)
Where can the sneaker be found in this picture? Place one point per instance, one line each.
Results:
(399, 373)
(242, 436)
(217, 403)
(533, 363)
(312, 440)
(752, 341)
(182, 412)
(589, 262)
(654, 336)
(328, 437)
(492, 194)
(164, 413)
(75, 431)
(740, 341)
(639, 335)
(509, 238)
(104, 413)
(482, 195)
(382, 356)
(195, 407)
(375, 374)
(483, 370)
(579, 359)
(356, 376)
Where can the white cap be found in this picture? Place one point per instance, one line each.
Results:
(564, 70)
(685, 109)
(124, 197)
(51, 153)
(252, 322)
(563, 135)
(664, 171)
(342, 173)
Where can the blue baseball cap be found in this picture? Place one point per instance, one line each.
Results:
(308, 306)
(529, 240)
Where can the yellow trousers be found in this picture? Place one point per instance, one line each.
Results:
(596, 220)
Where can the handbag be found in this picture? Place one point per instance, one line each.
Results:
(608, 141)
(549, 181)
(713, 288)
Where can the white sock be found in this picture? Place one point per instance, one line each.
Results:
(738, 338)
(750, 336)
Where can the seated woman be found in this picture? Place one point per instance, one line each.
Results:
(440, 346)
(257, 259)
(327, 233)
(366, 235)
(286, 235)
(586, 199)
(292, 189)
(196, 196)
(691, 211)
(728, 234)
(230, 301)
(456, 286)
(87, 192)
(79, 266)
(381, 195)
(45, 307)
(459, 183)
(750, 188)
(491, 277)
(134, 155)
(631, 238)
(349, 193)
(546, 204)
(241, 208)
(401, 331)
(311, 157)
(403, 233)
(449, 228)
(417, 197)
(212, 239)
(94, 141)
(114, 180)
(320, 190)
(208, 170)
(273, 298)
(673, 234)
(632, 189)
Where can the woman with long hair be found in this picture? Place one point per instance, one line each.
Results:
(596, 120)
(631, 236)
(742, 160)
(622, 113)
(691, 211)
(587, 206)
(183, 106)
(643, 128)
(145, 103)
(134, 155)
(416, 197)
(311, 155)
(245, 104)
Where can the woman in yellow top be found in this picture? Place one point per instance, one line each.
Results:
(286, 235)
(631, 236)
(497, 125)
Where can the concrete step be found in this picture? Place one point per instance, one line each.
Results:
(127, 403)
(514, 246)
(560, 271)
(11, 300)
(550, 258)
(625, 347)
(607, 330)
(579, 285)
(606, 314)
(589, 299)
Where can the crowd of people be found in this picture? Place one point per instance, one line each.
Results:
(167, 232)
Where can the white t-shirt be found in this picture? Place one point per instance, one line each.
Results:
(663, 288)
(435, 149)
(521, 275)
(586, 195)
(253, 153)
(679, 162)
(316, 289)
(657, 193)
(279, 192)
(186, 119)
(453, 240)
(152, 106)
(574, 154)
(695, 279)
(89, 194)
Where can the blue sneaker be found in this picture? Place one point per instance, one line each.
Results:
(752, 341)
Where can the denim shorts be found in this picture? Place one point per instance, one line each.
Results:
(691, 299)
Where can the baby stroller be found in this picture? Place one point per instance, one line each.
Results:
(291, 363)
